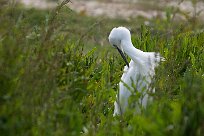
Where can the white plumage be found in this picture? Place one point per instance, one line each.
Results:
(138, 72)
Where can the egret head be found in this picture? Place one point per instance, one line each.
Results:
(116, 36)
(119, 34)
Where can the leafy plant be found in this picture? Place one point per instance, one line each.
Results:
(53, 84)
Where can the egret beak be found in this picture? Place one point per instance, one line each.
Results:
(122, 55)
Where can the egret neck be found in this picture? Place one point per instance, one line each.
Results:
(132, 52)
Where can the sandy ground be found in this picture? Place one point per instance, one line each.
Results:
(116, 8)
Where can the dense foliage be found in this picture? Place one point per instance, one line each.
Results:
(59, 75)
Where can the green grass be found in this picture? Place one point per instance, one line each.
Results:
(60, 76)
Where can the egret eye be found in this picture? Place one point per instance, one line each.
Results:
(114, 45)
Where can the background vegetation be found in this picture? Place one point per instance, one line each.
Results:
(59, 75)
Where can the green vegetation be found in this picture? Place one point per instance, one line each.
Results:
(59, 75)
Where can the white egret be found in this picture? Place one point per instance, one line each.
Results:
(138, 72)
